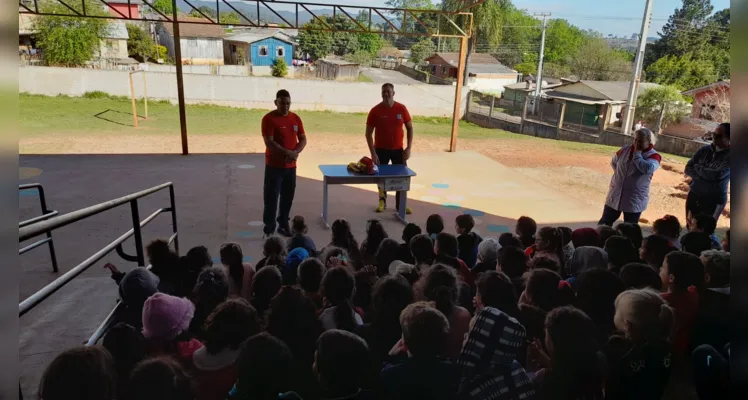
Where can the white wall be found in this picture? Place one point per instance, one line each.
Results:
(238, 91)
(494, 85)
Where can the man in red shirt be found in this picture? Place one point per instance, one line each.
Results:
(284, 138)
(384, 135)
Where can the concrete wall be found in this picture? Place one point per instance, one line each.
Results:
(486, 122)
(426, 100)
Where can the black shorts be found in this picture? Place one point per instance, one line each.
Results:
(387, 155)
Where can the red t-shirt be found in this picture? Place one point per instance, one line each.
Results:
(388, 125)
(686, 306)
(286, 131)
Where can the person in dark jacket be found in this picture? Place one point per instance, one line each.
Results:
(424, 374)
(409, 232)
(709, 170)
(467, 240)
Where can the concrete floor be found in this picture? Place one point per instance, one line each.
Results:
(219, 199)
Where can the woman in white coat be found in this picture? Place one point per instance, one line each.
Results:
(633, 167)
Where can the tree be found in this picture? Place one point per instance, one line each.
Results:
(279, 68)
(164, 6)
(595, 60)
(343, 42)
(488, 20)
(69, 41)
(561, 39)
(139, 44)
(424, 48)
(684, 72)
(650, 103)
(317, 43)
(370, 43)
(229, 18)
(209, 11)
(519, 42)
(683, 31)
(360, 57)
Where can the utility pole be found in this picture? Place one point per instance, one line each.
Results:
(539, 77)
(638, 63)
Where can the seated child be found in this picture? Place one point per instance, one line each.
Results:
(682, 275)
(707, 224)
(83, 372)
(640, 358)
(488, 361)
(214, 365)
(300, 238)
(310, 275)
(434, 225)
(274, 253)
(166, 320)
(488, 255)
(409, 232)
(526, 229)
(425, 374)
(238, 272)
(669, 227)
(341, 364)
(160, 378)
(467, 240)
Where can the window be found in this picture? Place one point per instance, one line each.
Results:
(444, 70)
(433, 69)
(280, 51)
(262, 51)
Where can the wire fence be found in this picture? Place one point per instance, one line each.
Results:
(546, 111)
(583, 117)
(490, 106)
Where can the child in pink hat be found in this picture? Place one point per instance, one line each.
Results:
(166, 319)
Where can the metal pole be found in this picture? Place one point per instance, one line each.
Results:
(134, 107)
(539, 77)
(136, 229)
(638, 62)
(458, 94)
(145, 95)
(180, 78)
(174, 218)
(45, 210)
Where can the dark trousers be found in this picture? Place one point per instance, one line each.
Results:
(385, 156)
(279, 183)
(611, 215)
(710, 205)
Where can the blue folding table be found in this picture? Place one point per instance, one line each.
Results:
(394, 178)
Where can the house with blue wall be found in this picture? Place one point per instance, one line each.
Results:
(258, 49)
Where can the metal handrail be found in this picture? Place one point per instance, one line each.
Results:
(66, 219)
(46, 214)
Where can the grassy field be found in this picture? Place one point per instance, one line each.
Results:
(97, 114)
(100, 115)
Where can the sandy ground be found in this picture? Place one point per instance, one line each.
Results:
(584, 176)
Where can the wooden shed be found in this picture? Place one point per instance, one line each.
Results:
(337, 70)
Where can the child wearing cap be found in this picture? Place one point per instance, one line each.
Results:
(166, 320)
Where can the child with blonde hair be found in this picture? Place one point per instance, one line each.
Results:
(640, 358)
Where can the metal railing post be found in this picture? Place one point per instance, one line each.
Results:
(136, 229)
(174, 218)
(51, 245)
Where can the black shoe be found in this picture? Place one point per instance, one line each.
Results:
(284, 231)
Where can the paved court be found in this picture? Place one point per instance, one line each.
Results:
(379, 75)
(219, 199)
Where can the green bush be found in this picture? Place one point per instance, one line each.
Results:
(280, 68)
(97, 94)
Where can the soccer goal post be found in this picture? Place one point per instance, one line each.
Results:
(132, 97)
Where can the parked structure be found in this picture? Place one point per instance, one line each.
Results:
(594, 104)
(514, 94)
(485, 73)
(711, 106)
(337, 70)
(131, 9)
(201, 44)
(259, 48)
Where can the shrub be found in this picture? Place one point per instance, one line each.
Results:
(280, 68)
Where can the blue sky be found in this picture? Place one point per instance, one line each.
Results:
(619, 17)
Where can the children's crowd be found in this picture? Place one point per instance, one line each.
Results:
(550, 313)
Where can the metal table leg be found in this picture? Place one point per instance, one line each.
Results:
(401, 207)
(324, 203)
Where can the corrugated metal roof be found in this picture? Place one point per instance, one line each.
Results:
(188, 30)
(253, 35)
(691, 92)
(337, 61)
(523, 86)
(615, 90)
(497, 68)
